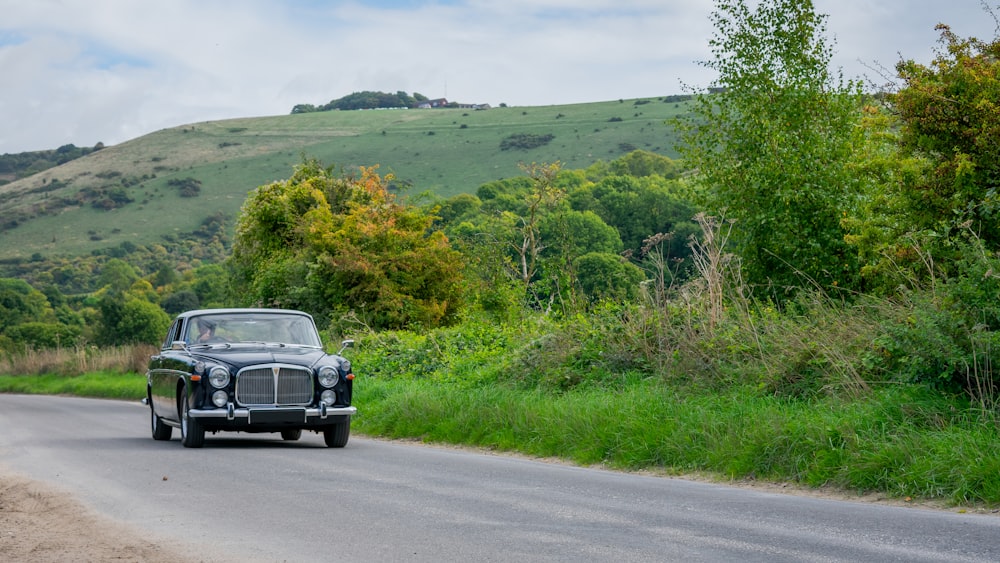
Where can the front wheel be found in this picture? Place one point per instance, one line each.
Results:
(336, 436)
(160, 431)
(192, 433)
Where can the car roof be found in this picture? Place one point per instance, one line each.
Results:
(199, 312)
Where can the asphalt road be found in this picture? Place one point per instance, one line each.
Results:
(256, 498)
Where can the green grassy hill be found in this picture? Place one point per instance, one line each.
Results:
(123, 192)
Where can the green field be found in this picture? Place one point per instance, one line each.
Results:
(443, 151)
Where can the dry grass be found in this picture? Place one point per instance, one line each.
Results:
(712, 329)
(78, 361)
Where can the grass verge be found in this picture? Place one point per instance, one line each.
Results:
(101, 384)
(901, 441)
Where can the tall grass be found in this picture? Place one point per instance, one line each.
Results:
(77, 361)
(113, 373)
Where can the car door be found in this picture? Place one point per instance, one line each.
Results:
(165, 370)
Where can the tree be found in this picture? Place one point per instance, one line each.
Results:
(644, 163)
(607, 276)
(932, 152)
(950, 112)
(211, 284)
(184, 300)
(335, 245)
(574, 233)
(773, 144)
(20, 303)
(638, 207)
(141, 322)
(117, 275)
(544, 196)
(39, 335)
(535, 228)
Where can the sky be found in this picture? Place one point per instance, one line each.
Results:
(89, 71)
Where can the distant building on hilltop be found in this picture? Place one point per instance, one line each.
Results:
(429, 104)
(443, 103)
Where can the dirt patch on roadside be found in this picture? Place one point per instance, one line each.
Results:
(39, 522)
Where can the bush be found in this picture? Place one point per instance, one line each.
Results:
(947, 336)
(187, 187)
(39, 335)
(525, 141)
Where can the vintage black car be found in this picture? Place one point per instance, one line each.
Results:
(248, 370)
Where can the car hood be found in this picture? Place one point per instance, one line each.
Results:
(240, 356)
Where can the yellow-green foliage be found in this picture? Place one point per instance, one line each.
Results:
(335, 245)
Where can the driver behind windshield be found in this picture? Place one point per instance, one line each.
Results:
(206, 331)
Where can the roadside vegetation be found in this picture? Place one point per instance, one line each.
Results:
(809, 294)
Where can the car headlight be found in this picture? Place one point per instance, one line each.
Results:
(218, 376)
(220, 398)
(328, 397)
(328, 376)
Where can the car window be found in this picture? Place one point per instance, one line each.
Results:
(172, 334)
(253, 327)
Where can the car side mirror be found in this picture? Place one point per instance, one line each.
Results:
(345, 345)
(178, 345)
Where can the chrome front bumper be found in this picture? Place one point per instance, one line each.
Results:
(232, 413)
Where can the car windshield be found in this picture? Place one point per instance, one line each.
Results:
(278, 328)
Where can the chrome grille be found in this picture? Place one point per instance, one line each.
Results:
(274, 385)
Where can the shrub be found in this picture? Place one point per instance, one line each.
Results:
(525, 141)
(947, 336)
(187, 187)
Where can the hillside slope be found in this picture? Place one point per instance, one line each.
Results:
(131, 192)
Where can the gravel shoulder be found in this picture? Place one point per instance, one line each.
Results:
(41, 523)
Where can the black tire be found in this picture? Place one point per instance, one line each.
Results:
(291, 435)
(192, 433)
(160, 431)
(336, 436)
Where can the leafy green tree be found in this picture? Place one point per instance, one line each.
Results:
(27, 318)
(932, 152)
(642, 163)
(41, 335)
(489, 280)
(184, 300)
(607, 276)
(573, 233)
(773, 144)
(211, 284)
(639, 207)
(950, 114)
(336, 245)
(534, 229)
(365, 100)
(457, 206)
(566, 235)
(117, 275)
(20, 303)
(142, 322)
